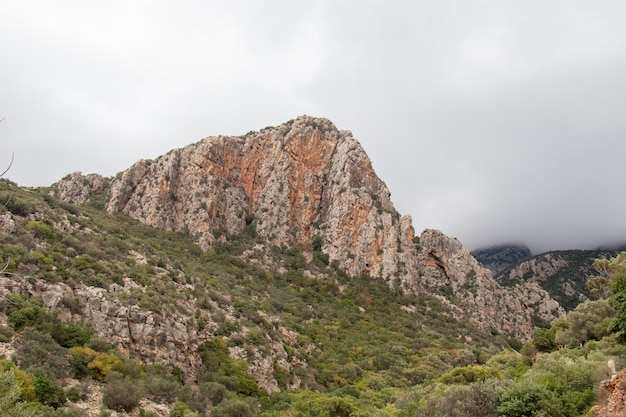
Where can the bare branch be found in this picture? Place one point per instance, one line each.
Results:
(10, 163)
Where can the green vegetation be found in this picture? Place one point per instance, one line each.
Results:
(337, 345)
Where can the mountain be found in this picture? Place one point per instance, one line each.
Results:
(562, 273)
(307, 183)
(246, 267)
(497, 258)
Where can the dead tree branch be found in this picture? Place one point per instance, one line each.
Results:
(10, 163)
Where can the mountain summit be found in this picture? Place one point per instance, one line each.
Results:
(305, 183)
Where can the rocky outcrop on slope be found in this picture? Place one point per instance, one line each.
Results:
(170, 339)
(302, 181)
(615, 404)
(450, 269)
(79, 189)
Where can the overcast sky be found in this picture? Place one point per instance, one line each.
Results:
(493, 121)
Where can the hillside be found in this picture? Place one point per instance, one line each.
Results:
(267, 274)
(158, 298)
(497, 258)
(561, 273)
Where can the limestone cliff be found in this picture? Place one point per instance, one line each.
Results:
(303, 180)
(448, 266)
(300, 179)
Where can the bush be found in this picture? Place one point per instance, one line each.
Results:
(182, 410)
(48, 392)
(528, 399)
(23, 311)
(41, 230)
(71, 334)
(121, 394)
(41, 355)
(468, 374)
(164, 388)
(479, 399)
(236, 407)
(98, 365)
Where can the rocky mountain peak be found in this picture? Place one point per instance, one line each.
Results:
(302, 182)
(301, 179)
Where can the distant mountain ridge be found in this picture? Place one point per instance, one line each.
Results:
(499, 257)
(562, 273)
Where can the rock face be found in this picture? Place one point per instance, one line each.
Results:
(298, 182)
(142, 334)
(170, 339)
(615, 404)
(449, 267)
(79, 189)
(300, 179)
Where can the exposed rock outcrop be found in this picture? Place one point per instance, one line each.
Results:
(170, 339)
(303, 180)
(564, 273)
(615, 404)
(449, 267)
(78, 189)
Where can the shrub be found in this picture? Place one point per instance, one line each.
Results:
(236, 407)
(41, 230)
(468, 374)
(71, 334)
(41, 355)
(121, 394)
(48, 392)
(182, 410)
(98, 365)
(479, 399)
(23, 311)
(165, 388)
(528, 399)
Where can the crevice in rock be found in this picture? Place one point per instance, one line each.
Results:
(439, 263)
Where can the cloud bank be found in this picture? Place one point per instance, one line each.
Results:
(492, 121)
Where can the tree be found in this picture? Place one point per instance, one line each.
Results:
(590, 320)
(615, 270)
(528, 399)
(543, 339)
(600, 286)
(10, 404)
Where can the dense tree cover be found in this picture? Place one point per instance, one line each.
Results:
(363, 348)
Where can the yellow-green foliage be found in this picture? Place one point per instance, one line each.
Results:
(24, 379)
(96, 364)
(468, 374)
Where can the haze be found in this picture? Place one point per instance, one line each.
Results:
(492, 121)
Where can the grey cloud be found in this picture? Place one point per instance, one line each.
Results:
(493, 121)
